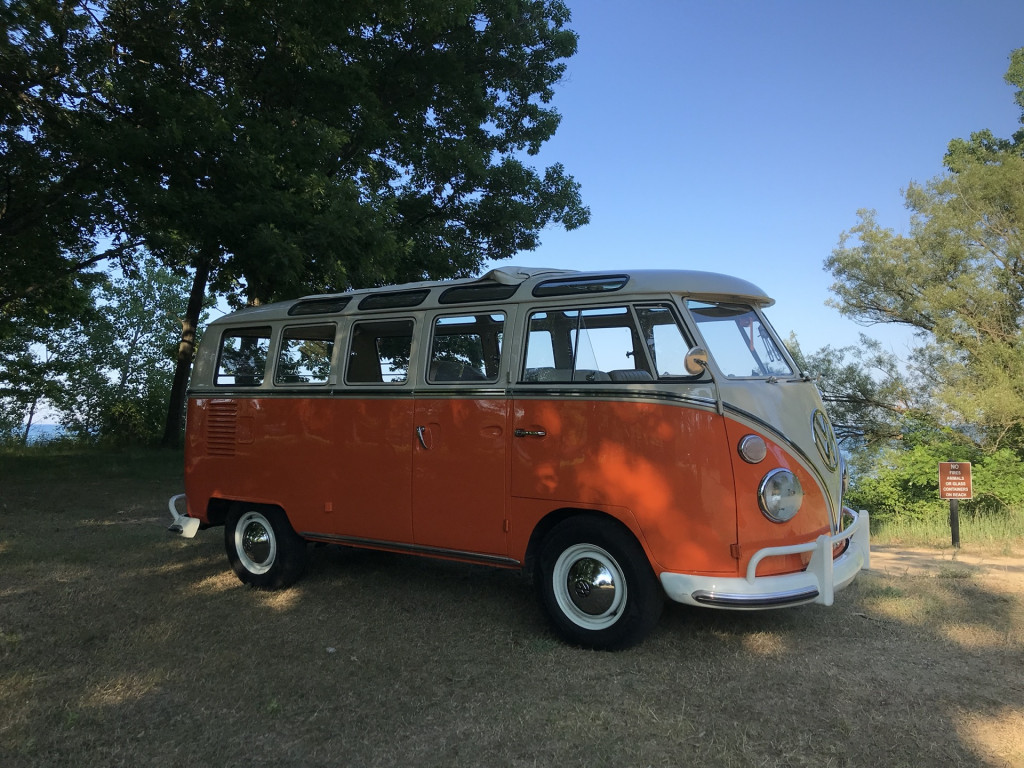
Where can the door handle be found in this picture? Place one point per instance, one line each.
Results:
(419, 434)
(530, 433)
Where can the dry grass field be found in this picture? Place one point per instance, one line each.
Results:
(122, 645)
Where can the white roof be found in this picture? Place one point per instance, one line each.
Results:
(690, 283)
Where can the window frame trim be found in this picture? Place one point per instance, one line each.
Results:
(503, 353)
(332, 375)
(233, 331)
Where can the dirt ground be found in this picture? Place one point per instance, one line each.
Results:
(1008, 572)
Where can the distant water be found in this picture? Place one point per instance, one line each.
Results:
(40, 433)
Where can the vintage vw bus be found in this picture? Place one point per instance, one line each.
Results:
(619, 436)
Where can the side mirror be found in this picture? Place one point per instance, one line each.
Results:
(696, 361)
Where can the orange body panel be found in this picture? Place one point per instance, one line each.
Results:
(459, 479)
(341, 464)
(667, 465)
(755, 531)
(450, 474)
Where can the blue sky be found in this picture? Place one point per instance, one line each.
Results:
(742, 137)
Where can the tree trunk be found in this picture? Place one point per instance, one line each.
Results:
(186, 351)
(28, 422)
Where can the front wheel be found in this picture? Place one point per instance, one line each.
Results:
(263, 548)
(596, 584)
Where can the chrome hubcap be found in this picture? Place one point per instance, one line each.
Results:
(589, 586)
(255, 543)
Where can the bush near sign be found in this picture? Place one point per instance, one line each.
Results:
(955, 480)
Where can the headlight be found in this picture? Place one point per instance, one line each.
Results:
(780, 495)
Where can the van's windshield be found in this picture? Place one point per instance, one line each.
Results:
(738, 340)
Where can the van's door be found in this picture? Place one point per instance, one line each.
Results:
(371, 450)
(458, 482)
(459, 443)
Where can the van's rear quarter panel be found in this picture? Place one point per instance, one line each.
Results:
(336, 465)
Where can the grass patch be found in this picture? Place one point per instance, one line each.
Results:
(1002, 535)
(121, 645)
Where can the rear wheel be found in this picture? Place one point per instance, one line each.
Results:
(596, 584)
(263, 548)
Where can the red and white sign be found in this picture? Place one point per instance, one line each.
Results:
(955, 480)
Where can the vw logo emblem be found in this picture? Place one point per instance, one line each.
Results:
(825, 439)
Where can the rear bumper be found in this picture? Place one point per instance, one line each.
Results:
(818, 583)
(183, 524)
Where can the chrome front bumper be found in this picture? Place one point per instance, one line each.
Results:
(817, 583)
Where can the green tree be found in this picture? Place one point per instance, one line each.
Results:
(27, 381)
(142, 312)
(56, 221)
(957, 278)
(49, 368)
(290, 146)
(274, 148)
(106, 374)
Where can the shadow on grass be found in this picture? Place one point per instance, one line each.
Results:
(123, 645)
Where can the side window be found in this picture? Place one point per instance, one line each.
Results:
(242, 360)
(380, 352)
(466, 348)
(585, 345)
(665, 340)
(305, 356)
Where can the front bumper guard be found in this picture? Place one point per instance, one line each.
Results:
(817, 583)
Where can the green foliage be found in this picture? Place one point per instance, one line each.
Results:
(957, 278)
(272, 149)
(54, 210)
(107, 374)
(303, 145)
(904, 482)
(294, 146)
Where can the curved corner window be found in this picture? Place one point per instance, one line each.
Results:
(394, 299)
(242, 360)
(479, 293)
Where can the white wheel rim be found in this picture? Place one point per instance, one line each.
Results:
(589, 586)
(255, 543)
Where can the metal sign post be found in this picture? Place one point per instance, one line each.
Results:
(955, 484)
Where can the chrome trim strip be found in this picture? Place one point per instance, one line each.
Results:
(444, 392)
(412, 549)
(624, 391)
(793, 597)
(440, 393)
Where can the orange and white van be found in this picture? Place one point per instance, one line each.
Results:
(620, 437)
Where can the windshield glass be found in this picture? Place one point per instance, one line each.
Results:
(738, 340)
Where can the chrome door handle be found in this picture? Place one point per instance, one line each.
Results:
(530, 433)
(419, 434)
